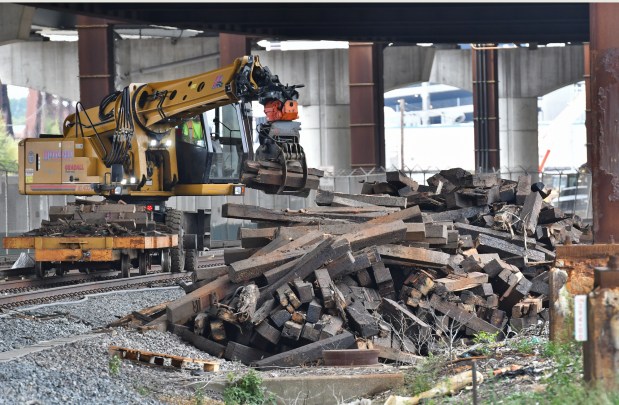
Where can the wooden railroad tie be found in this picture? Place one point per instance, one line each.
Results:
(159, 359)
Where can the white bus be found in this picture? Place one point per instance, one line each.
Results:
(429, 104)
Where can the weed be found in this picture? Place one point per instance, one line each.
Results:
(247, 390)
(566, 385)
(199, 396)
(114, 365)
(142, 390)
(487, 341)
(424, 377)
(561, 352)
(525, 346)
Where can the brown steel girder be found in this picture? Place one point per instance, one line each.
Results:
(603, 130)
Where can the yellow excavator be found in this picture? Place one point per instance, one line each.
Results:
(185, 137)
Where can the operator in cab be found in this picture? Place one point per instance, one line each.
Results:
(192, 132)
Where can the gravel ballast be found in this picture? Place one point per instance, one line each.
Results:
(79, 373)
(22, 328)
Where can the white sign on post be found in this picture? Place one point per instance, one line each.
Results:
(580, 318)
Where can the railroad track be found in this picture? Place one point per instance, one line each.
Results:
(79, 290)
(37, 291)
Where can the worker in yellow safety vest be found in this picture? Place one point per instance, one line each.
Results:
(192, 131)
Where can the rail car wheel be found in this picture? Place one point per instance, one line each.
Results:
(143, 263)
(191, 260)
(39, 269)
(60, 271)
(125, 266)
(166, 261)
(174, 220)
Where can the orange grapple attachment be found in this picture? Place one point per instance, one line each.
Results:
(275, 111)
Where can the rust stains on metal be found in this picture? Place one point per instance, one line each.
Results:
(603, 131)
(95, 49)
(232, 46)
(350, 357)
(580, 261)
(367, 132)
(486, 109)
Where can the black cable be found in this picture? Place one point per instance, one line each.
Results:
(104, 103)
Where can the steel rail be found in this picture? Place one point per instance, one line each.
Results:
(31, 297)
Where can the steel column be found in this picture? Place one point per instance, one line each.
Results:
(232, 46)
(5, 110)
(367, 128)
(603, 132)
(486, 108)
(587, 78)
(95, 51)
(34, 102)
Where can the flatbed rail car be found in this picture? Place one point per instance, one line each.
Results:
(87, 253)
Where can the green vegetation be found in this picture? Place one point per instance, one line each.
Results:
(199, 396)
(8, 150)
(424, 377)
(18, 110)
(247, 390)
(487, 341)
(565, 384)
(114, 365)
(525, 346)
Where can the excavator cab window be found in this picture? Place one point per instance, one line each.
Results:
(227, 143)
(191, 151)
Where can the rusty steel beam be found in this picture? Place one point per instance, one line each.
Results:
(486, 108)
(95, 50)
(603, 132)
(367, 128)
(34, 103)
(232, 46)
(587, 79)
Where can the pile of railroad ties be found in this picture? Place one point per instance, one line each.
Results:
(400, 268)
(90, 218)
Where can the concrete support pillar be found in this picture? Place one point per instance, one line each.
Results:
(232, 46)
(603, 129)
(367, 127)
(518, 134)
(95, 50)
(324, 102)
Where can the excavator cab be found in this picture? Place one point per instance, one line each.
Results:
(212, 147)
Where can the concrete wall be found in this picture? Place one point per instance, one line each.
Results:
(15, 22)
(533, 73)
(324, 101)
(46, 66)
(136, 54)
(405, 65)
(453, 67)
(522, 72)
